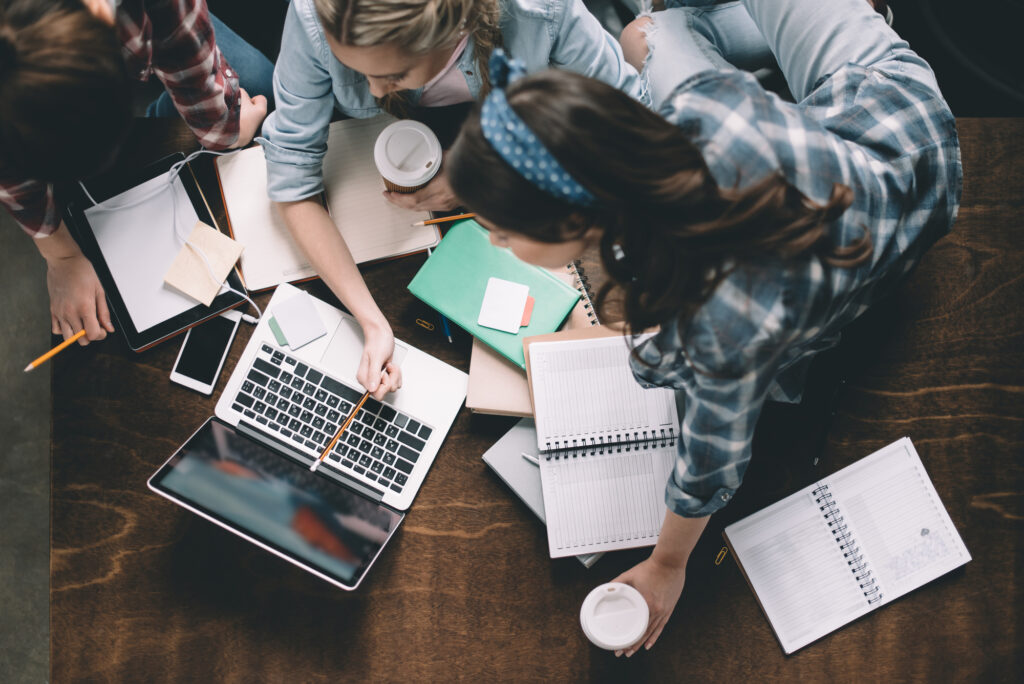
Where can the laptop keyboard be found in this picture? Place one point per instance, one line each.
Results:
(303, 405)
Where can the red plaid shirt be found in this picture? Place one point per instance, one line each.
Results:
(174, 40)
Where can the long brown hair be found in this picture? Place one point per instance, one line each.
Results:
(65, 98)
(656, 200)
(418, 26)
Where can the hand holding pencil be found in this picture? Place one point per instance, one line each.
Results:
(53, 352)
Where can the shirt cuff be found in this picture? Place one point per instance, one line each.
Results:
(689, 506)
(291, 175)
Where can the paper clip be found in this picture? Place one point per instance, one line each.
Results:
(426, 325)
(721, 555)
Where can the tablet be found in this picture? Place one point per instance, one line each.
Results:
(132, 235)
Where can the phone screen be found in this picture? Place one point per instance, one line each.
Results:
(204, 348)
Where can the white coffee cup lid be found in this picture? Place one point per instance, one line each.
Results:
(614, 616)
(407, 153)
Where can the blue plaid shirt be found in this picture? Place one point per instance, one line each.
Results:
(893, 141)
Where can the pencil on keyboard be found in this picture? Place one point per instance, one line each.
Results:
(337, 436)
(53, 352)
(443, 219)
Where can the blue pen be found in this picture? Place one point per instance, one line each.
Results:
(444, 321)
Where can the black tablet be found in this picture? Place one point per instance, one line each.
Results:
(131, 229)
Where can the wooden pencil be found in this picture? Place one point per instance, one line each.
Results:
(444, 219)
(53, 352)
(337, 436)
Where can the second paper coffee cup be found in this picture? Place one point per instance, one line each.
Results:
(614, 616)
(408, 155)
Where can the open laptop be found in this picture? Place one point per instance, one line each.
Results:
(247, 470)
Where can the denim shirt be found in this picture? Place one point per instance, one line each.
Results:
(309, 82)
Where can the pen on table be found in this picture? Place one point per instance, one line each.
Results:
(444, 219)
(337, 435)
(532, 459)
(444, 321)
(53, 352)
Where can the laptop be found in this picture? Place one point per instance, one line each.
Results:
(247, 469)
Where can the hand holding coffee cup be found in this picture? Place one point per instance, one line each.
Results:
(408, 156)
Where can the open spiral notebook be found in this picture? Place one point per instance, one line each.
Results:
(607, 444)
(846, 545)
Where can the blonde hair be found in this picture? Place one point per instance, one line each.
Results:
(418, 26)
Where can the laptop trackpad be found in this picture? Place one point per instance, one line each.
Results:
(346, 349)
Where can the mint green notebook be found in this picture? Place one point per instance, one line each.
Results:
(455, 277)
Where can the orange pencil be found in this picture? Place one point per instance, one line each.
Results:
(316, 463)
(443, 219)
(53, 352)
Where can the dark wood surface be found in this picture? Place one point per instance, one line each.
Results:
(141, 590)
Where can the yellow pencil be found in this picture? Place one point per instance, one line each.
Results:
(53, 352)
(443, 219)
(337, 436)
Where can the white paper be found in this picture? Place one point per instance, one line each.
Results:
(503, 305)
(139, 243)
(584, 393)
(300, 324)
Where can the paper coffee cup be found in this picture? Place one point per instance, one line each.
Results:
(407, 155)
(614, 616)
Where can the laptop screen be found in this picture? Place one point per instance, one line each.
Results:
(248, 488)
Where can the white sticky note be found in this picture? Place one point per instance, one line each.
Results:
(502, 308)
(299, 321)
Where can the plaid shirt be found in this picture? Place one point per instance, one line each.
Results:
(172, 39)
(893, 142)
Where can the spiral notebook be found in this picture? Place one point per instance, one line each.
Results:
(607, 444)
(844, 546)
(496, 385)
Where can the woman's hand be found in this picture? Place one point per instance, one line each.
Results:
(437, 195)
(661, 585)
(377, 371)
(76, 297)
(253, 110)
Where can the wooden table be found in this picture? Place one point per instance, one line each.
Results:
(141, 590)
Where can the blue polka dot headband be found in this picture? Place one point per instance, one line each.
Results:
(515, 142)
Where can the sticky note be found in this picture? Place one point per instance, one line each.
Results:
(189, 273)
(298, 321)
(503, 305)
(276, 329)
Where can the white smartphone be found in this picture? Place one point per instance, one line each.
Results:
(202, 354)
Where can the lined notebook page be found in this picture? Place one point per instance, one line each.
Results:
(373, 228)
(797, 570)
(584, 392)
(271, 256)
(895, 518)
(604, 502)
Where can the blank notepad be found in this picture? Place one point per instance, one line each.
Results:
(846, 545)
(373, 228)
(607, 446)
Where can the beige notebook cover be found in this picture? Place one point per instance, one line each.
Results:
(373, 228)
(496, 385)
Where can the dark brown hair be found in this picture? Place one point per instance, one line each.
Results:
(656, 199)
(65, 99)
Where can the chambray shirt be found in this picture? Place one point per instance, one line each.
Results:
(309, 82)
(879, 130)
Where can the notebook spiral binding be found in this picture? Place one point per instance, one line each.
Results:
(582, 283)
(851, 552)
(614, 444)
